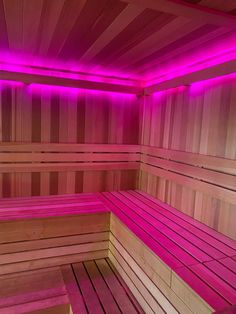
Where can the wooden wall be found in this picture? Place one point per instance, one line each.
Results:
(48, 115)
(189, 125)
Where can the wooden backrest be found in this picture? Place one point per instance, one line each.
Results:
(211, 175)
(15, 157)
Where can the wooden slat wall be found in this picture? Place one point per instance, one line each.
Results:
(199, 119)
(64, 116)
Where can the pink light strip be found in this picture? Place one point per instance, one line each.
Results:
(73, 91)
(191, 67)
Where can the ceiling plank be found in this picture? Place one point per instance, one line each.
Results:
(3, 27)
(166, 35)
(29, 78)
(32, 11)
(53, 9)
(67, 19)
(226, 68)
(14, 21)
(149, 67)
(220, 5)
(118, 25)
(193, 11)
(143, 26)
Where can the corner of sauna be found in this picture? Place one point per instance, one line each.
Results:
(188, 150)
(117, 157)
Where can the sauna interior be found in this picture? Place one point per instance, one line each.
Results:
(117, 156)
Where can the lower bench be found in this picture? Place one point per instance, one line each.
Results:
(86, 287)
(170, 262)
(51, 231)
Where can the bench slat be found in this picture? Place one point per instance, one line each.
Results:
(146, 238)
(210, 240)
(156, 236)
(231, 243)
(216, 282)
(178, 230)
(205, 291)
(223, 272)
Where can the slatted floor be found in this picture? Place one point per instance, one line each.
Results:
(86, 287)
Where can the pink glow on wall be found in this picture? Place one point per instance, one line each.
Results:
(39, 88)
(197, 88)
(10, 83)
(73, 91)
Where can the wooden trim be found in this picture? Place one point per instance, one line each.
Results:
(68, 82)
(193, 11)
(64, 147)
(199, 75)
(200, 160)
(66, 157)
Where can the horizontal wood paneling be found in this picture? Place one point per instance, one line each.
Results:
(191, 161)
(31, 244)
(57, 142)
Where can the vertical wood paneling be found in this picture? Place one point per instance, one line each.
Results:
(201, 119)
(51, 116)
(6, 114)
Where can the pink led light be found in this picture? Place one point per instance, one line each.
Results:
(11, 83)
(197, 88)
(194, 67)
(212, 54)
(31, 65)
(73, 91)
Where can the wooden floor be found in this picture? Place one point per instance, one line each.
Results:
(85, 287)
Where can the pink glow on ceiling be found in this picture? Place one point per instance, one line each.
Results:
(199, 60)
(199, 87)
(213, 54)
(192, 67)
(32, 65)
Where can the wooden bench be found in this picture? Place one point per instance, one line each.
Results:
(171, 262)
(193, 267)
(41, 232)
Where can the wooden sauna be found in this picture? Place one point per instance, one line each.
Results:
(117, 156)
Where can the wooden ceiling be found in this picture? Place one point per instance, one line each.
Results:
(129, 37)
